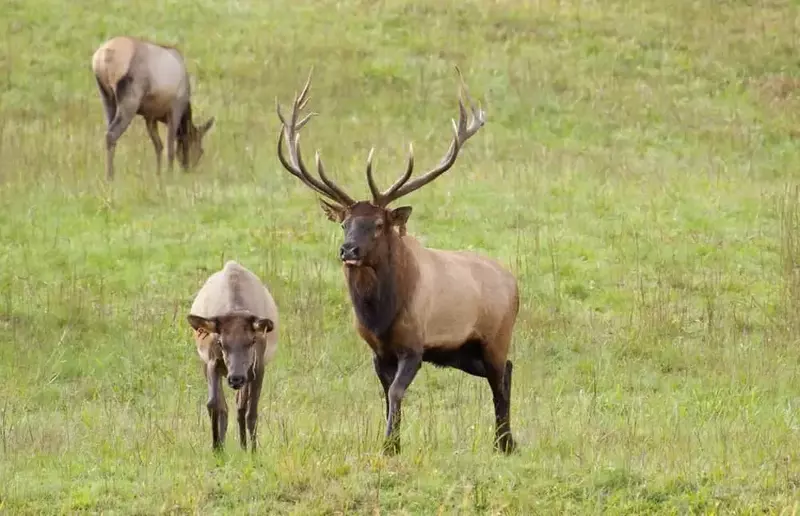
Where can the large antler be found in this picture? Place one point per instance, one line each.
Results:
(291, 133)
(462, 132)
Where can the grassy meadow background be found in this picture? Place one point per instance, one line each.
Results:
(638, 173)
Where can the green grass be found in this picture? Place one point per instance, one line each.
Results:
(638, 173)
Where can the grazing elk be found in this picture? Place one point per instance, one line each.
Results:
(139, 77)
(414, 304)
(235, 322)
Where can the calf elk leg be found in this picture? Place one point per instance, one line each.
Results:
(242, 396)
(219, 418)
(252, 405)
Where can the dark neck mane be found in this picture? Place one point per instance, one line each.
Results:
(379, 292)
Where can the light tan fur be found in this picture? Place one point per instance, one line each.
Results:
(135, 76)
(235, 289)
(459, 296)
(235, 323)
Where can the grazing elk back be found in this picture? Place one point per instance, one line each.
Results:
(413, 304)
(235, 322)
(139, 77)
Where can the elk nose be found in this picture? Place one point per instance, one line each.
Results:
(348, 251)
(236, 382)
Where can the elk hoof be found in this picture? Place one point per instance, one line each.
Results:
(391, 447)
(505, 444)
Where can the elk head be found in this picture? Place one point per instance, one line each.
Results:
(190, 143)
(237, 338)
(368, 225)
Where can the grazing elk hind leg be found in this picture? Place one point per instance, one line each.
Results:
(408, 365)
(128, 98)
(109, 104)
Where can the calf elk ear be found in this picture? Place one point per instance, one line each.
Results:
(201, 323)
(265, 325)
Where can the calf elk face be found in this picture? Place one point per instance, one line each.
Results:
(237, 339)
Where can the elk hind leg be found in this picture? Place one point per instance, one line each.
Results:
(499, 377)
(127, 100)
(109, 103)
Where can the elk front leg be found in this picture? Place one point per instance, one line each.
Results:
(407, 366)
(386, 370)
(158, 146)
(218, 417)
(252, 406)
(172, 135)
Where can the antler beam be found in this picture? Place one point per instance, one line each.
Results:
(294, 164)
(462, 131)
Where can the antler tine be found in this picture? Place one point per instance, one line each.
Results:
(402, 180)
(462, 131)
(308, 181)
(294, 164)
(376, 193)
(348, 201)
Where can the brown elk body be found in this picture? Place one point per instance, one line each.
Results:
(235, 323)
(414, 304)
(139, 77)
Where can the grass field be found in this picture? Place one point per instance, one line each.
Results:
(638, 173)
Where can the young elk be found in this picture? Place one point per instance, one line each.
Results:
(139, 77)
(235, 322)
(413, 304)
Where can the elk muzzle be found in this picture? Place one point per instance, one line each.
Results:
(236, 382)
(349, 254)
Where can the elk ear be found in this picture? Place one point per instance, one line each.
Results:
(206, 126)
(263, 324)
(201, 323)
(334, 213)
(399, 216)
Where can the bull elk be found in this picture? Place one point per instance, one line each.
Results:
(414, 304)
(136, 77)
(235, 322)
